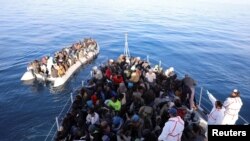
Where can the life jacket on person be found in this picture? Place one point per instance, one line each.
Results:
(172, 130)
(61, 71)
(216, 115)
(178, 127)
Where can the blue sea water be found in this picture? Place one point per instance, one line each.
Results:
(208, 40)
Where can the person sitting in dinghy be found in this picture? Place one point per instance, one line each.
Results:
(54, 72)
(61, 70)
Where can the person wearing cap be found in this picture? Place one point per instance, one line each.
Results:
(97, 73)
(135, 75)
(232, 106)
(217, 113)
(117, 123)
(111, 62)
(173, 129)
(170, 72)
(135, 126)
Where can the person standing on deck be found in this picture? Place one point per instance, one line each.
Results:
(97, 74)
(217, 113)
(191, 83)
(173, 129)
(232, 105)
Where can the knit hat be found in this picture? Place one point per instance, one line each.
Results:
(172, 111)
(135, 118)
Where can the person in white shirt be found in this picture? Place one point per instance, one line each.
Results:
(92, 117)
(97, 74)
(150, 76)
(173, 129)
(232, 105)
(170, 72)
(217, 113)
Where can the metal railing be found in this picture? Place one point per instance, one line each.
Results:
(58, 119)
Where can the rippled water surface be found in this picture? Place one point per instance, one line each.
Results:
(208, 40)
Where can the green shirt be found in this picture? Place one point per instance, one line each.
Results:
(115, 105)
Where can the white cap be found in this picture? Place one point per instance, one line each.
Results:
(235, 91)
(166, 72)
(111, 60)
(133, 68)
(95, 68)
(171, 69)
(156, 68)
(138, 58)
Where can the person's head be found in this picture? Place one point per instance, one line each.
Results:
(114, 97)
(235, 93)
(117, 122)
(171, 69)
(177, 102)
(150, 71)
(91, 111)
(95, 68)
(92, 129)
(111, 61)
(218, 104)
(135, 120)
(89, 104)
(172, 112)
(105, 126)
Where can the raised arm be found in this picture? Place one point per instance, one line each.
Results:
(211, 97)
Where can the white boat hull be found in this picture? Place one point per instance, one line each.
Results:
(28, 75)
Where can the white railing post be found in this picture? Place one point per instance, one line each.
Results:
(57, 124)
(147, 58)
(91, 73)
(126, 49)
(82, 83)
(200, 97)
(159, 63)
(71, 96)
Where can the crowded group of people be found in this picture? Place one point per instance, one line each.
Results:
(130, 100)
(57, 65)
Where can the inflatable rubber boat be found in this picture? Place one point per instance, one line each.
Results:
(60, 67)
